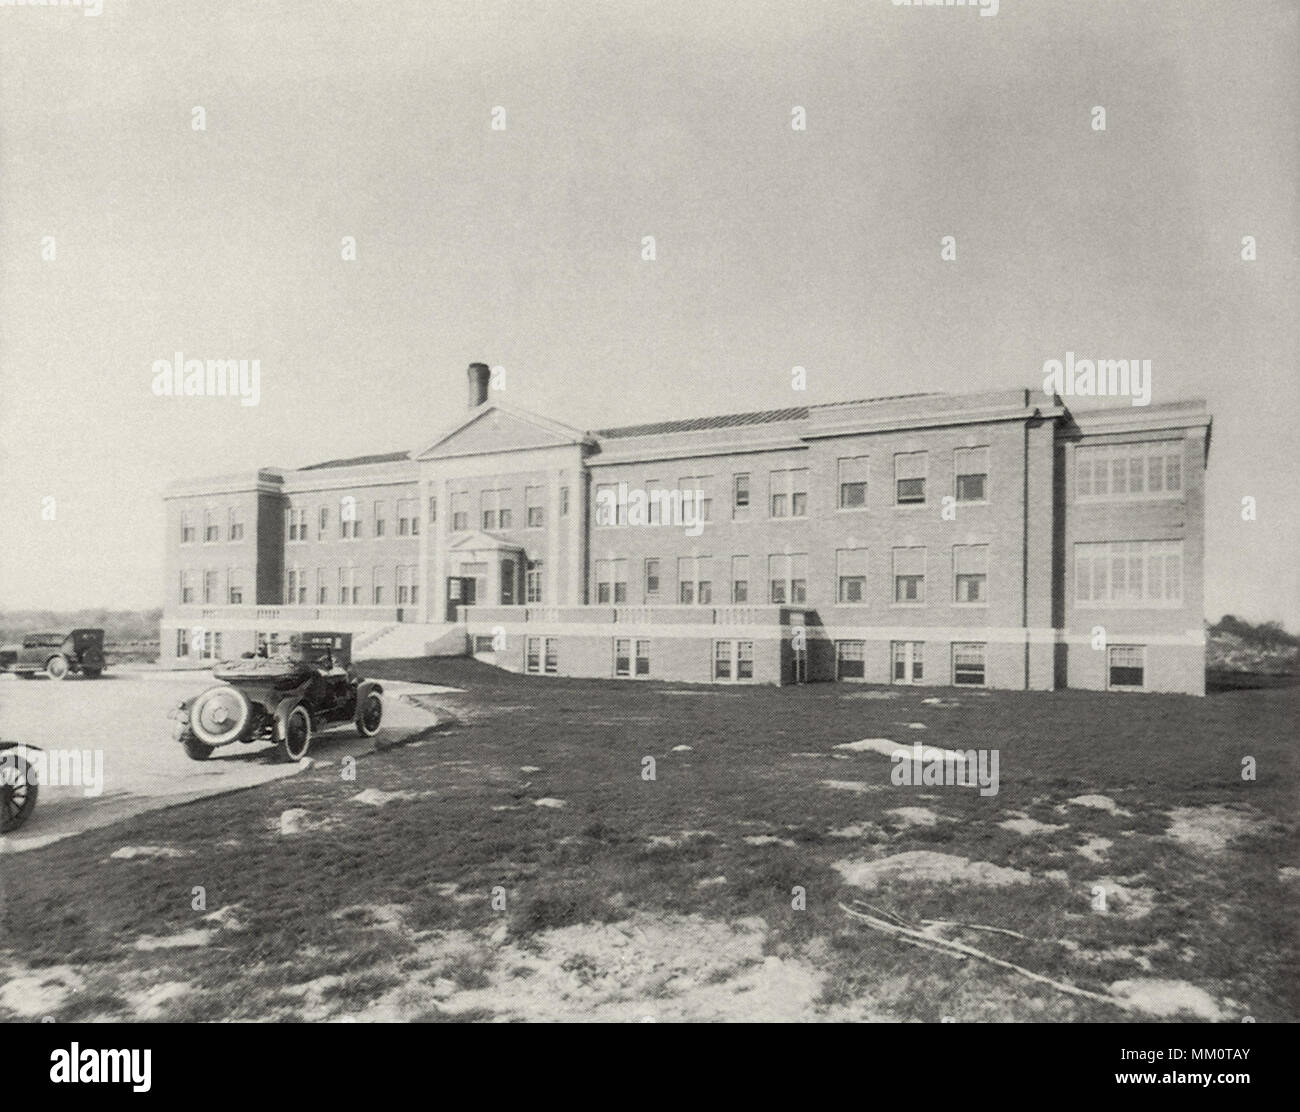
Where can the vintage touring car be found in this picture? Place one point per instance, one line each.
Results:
(285, 697)
(56, 654)
(18, 786)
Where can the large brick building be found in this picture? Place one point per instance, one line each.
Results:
(997, 538)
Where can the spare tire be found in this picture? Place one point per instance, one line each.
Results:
(220, 715)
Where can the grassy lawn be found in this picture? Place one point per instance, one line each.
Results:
(454, 895)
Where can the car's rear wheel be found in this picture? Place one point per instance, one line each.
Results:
(194, 748)
(18, 791)
(370, 715)
(297, 734)
(56, 667)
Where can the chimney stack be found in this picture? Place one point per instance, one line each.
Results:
(479, 376)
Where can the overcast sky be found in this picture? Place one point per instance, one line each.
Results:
(522, 247)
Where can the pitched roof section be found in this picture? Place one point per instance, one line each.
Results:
(731, 420)
(355, 461)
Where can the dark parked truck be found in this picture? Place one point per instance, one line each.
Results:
(56, 654)
(18, 786)
(286, 698)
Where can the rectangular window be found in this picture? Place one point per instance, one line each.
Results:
(182, 643)
(787, 576)
(377, 587)
(694, 580)
(1137, 574)
(733, 661)
(381, 512)
(851, 575)
(971, 471)
(533, 581)
(551, 655)
(322, 523)
(788, 492)
(295, 592)
(349, 519)
(404, 581)
(533, 505)
(187, 527)
(909, 576)
(1126, 666)
(744, 660)
(968, 664)
(408, 517)
(850, 660)
(652, 578)
(910, 469)
(723, 651)
(235, 526)
(211, 645)
(908, 661)
(643, 658)
(853, 482)
(1128, 472)
(740, 579)
(349, 589)
(740, 496)
(209, 587)
(533, 655)
(622, 657)
(609, 510)
(235, 587)
(187, 586)
(970, 567)
(564, 501)
(460, 511)
(211, 530)
(696, 498)
(433, 509)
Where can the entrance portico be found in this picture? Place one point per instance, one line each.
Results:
(483, 570)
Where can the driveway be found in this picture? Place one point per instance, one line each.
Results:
(121, 718)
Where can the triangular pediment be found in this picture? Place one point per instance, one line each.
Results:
(476, 541)
(500, 428)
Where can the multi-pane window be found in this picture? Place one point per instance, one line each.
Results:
(507, 582)
(971, 474)
(787, 577)
(1119, 472)
(182, 642)
(407, 585)
(740, 496)
(322, 523)
(211, 645)
(235, 525)
(651, 578)
(909, 576)
(740, 579)
(733, 660)
(298, 524)
(533, 507)
(696, 497)
(694, 580)
(550, 655)
(850, 660)
(187, 527)
(788, 492)
(381, 523)
(655, 496)
(322, 588)
(209, 586)
(968, 663)
(533, 655)
(609, 509)
(851, 575)
(853, 482)
(349, 519)
(295, 589)
(349, 589)
(211, 529)
(1129, 573)
(1126, 666)
(235, 586)
(611, 582)
(408, 517)
(970, 569)
(910, 470)
(459, 511)
(187, 586)
(379, 586)
(631, 657)
(533, 581)
(541, 654)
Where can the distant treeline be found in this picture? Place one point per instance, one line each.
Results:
(118, 625)
(1268, 636)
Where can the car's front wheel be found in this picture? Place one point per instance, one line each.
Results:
(297, 734)
(18, 791)
(56, 667)
(370, 715)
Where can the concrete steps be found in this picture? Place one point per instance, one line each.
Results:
(414, 639)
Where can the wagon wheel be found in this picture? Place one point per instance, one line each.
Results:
(297, 734)
(57, 666)
(18, 791)
(372, 713)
